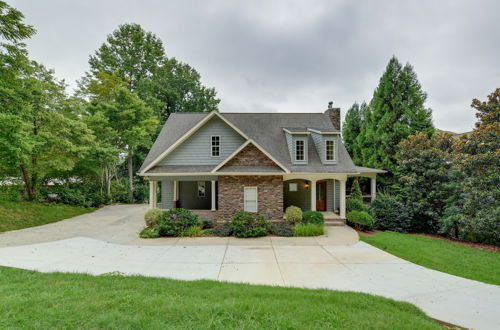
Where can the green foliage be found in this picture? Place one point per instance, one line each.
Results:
(356, 190)
(313, 217)
(12, 27)
(478, 158)
(152, 217)
(281, 228)
(193, 231)
(423, 178)
(223, 229)
(354, 205)
(248, 224)
(390, 213)
(396, 111)
(360, 219)
(149, 233)
(78, 194)
(352, 128)
(308, 229)
(175, 221)
(293, 214)
(207, 224)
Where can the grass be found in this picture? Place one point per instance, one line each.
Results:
(46, 301)
(18, 215)
(308, 229)
(447, 257)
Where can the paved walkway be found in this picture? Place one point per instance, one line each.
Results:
(106, 241)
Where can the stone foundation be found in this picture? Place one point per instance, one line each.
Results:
(269, 195)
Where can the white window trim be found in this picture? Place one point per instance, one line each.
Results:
(256, 198)
(304, 141)
(334, 153)
(211, 146)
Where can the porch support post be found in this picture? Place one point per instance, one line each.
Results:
(313, 195)
(152, 193)
(175, 193)
(212, 186)
(342, 198)
(373, 187)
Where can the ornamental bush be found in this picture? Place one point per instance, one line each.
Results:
(223, 229)
(360, 219)
(313, 217)
(390, 213)
(282, 228)
(247, 224)
(293, 214)
(352, 204)
(308, 229)
(152, 217)
(175, 221)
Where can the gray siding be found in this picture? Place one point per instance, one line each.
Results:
(320, 145)
(196, 150)
(336, 203)
(290, 141)
(300, 198)
(329, 195)
(167, 194)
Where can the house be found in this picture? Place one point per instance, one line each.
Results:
(217, 164)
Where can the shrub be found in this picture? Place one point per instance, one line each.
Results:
(356, 190)
(223, 229)
(207, 224)
(281, 228)
(390, 213)
(293, 214)
(149, 233)
(354, 205)
(247, 224)
(308, 229)
(360, 219)
(314, 217)
(152, 217)
(193, 231)
(174, 221)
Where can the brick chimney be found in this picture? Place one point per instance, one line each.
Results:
(334, 115)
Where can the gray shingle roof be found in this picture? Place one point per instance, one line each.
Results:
(266, 129)
(249, 169)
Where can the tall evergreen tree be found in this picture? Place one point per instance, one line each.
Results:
(352, 128)
(396, 111)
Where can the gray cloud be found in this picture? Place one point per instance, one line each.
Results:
(294, 56)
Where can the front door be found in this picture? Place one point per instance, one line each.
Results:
(321, 196)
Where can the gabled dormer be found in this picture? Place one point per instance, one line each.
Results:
(296, 139)
(326, 143)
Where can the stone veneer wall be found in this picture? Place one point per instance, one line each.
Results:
(269, 195)
(250, 156)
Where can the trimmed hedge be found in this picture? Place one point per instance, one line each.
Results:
(175, 221)
(360, 219)
(313, 217)
(248, 224)
(390, 213)
(281, 229)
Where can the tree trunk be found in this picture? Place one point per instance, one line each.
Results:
(30, 189)
(131, 176)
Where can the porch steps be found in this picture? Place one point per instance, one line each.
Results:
(334, 222)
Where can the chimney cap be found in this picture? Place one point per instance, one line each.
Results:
(330, 105)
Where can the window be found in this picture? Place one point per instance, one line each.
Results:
(330, 149)
(299, 150)
(201, 188)
(250, 199)
(215, 146)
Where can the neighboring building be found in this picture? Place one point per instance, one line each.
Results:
(222, 163)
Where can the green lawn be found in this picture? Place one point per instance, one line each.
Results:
(440, 255)
(45, 301)
(17, 215)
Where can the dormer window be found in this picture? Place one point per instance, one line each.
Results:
(330, 150)
(299, 150)
(215, 146)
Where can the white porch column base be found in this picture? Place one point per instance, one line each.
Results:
(373, 187)
(342, 198)
(212, 186)
(313, 195)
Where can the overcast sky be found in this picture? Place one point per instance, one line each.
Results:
(293, 56)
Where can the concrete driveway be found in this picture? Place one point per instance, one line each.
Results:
(106, 241)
